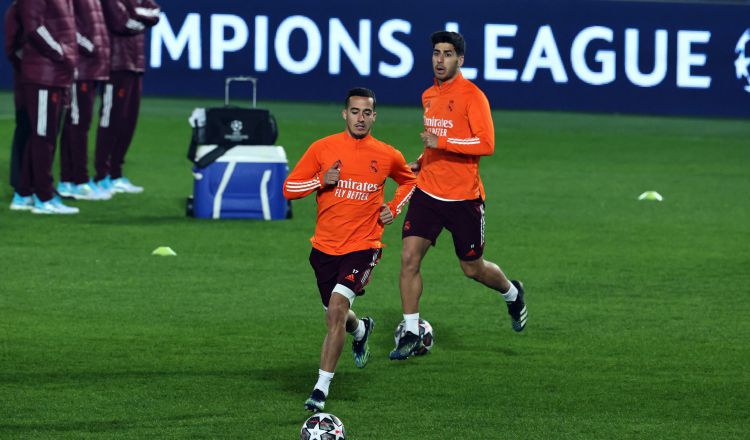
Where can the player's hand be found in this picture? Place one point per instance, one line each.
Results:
(331, 177)
(415, 167)
(430, 140)
(386, 216)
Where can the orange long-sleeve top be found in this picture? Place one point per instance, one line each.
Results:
(459, 114)
(349, 212)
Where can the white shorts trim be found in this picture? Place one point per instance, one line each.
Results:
(346, 292)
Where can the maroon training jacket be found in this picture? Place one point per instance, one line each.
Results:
(13, 36)
(127, 20)
(49, 49)
(93, 40)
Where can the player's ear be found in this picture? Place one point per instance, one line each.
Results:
(343, 114)
(460, 61)
(374, 115)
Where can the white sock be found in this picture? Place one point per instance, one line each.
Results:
(359, 332)
(511, 294)
(412, 322)
(324, 381)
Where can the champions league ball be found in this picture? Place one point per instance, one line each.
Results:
(322, 426)
(742, 63)
(425, 331)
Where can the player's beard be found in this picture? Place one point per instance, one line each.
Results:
(450, 73)
(358, 135)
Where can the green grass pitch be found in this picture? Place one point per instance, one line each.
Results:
(639, 312)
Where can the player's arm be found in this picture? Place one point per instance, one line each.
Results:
(401, 173)
(13, 36)
(416, 166)
(85, 45)
(305, 178)
(148, 13)
(482, 140)
(35, 32)
(84, 37)
(119, 19)
(308, 176)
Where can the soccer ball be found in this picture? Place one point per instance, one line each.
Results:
(425, 331)
(322, 426)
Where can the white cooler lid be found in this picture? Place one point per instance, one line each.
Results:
(247, 153)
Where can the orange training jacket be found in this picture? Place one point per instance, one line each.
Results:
(349, 213)
(459, 114)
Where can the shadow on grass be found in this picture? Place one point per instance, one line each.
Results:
(472, 339)
(149, 220)
(93, 426)
(292, 379)
(171, 219)
(94, 377)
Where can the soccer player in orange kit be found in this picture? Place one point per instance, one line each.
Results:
(347, 172)
(458, 132)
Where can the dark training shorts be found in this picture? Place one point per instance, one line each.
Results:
(352, 270)
(427, 216)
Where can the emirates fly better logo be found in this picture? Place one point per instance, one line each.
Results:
(742, 63)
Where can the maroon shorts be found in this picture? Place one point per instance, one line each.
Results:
(352, 270)
(427, 216)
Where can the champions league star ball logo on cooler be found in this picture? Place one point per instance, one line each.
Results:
(236, 135)
(742, 63)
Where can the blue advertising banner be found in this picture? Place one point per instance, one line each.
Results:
(610, 56)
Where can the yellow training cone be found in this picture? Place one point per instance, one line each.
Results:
(651, 195)
(164, 251)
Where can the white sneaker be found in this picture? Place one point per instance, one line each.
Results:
(89, 191)
(52, 206)
(123, 185)
(21, 203)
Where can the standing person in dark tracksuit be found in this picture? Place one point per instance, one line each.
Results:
(93, 68)
(14, 52)
(49, 55)
(127, 20)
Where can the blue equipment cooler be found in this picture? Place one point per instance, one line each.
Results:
(239, 172)
(245, 182)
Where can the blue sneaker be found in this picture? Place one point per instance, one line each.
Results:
(21, 203)
(52, 206)
(123, 185)
(65, 189)
(105, 185)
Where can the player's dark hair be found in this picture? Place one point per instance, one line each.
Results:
(454, 38)
(360, 91)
